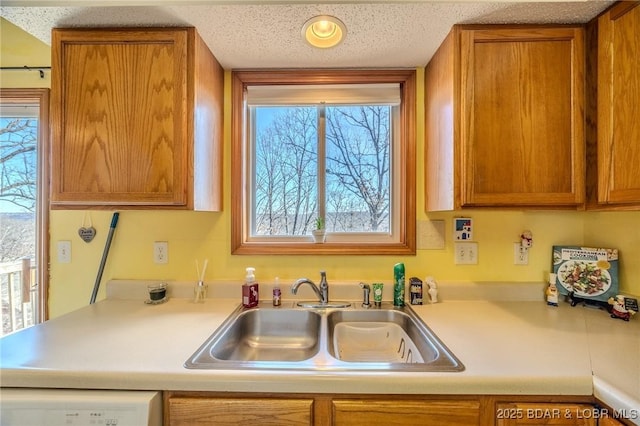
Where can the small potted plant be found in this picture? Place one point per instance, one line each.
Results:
(319, 232)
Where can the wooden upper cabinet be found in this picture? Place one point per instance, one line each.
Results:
(136, 119)
(614, 138)
(505, 118)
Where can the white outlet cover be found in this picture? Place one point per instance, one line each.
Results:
(520, 255)
(161, 252)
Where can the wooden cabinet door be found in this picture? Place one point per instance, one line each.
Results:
(541, 413)
(239, 411)
(522, 118)
(608, 421)
(347, 412)
(618, 88)
(119, 113)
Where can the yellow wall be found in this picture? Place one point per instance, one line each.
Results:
(200, 235)
(621, 230)
(19, 49)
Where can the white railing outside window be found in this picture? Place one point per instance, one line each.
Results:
(19, 295)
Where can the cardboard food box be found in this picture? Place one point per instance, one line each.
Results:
(591, 273)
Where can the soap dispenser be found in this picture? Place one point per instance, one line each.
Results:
(250, 289)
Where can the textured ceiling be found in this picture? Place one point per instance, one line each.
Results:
(268, 35)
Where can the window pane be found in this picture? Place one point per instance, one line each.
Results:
(285, 170)
(18, 137)
(358, 168)
(356, 175)
(18, 195)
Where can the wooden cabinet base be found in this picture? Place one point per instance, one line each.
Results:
(350, 412)
(538, 413)
(240, 411)
(204, 408)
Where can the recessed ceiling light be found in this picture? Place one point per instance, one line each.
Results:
(324, 31)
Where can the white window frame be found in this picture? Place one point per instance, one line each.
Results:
(344, 237)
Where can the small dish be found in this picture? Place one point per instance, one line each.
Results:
(157, 294)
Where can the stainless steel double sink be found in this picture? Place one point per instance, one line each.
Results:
(294, 338)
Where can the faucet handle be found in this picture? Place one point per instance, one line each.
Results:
(365, 297)
(323, 279)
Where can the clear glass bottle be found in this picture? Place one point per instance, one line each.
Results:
(200, 292)
(277, 294)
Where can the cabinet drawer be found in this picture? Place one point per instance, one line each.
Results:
(348, 412)
(240, 411)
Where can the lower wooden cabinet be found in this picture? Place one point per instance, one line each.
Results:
(218, 408)
(183, 411)
(540, 413)
(608, 421)
(348, 412)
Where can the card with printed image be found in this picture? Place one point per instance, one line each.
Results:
(591, 273)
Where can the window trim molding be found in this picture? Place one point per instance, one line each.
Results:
(407, 79)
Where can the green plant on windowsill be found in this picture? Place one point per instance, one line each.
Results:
(319, 232)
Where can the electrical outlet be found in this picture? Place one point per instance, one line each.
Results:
(161, 252)
(466, 253)
(64, 251)
(520, 254)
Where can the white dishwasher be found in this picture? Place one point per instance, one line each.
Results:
(69, 407)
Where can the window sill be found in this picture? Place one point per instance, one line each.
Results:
(311, 248)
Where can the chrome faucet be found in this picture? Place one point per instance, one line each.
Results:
(322, 292)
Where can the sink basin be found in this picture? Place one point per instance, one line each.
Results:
(394, 336)
(374, 342)
(261, 335)
(327, 339)
(378, 336)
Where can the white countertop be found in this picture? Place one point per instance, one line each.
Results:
(507, 347)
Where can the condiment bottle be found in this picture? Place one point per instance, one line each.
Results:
(277, 294)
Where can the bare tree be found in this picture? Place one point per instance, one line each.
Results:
(286, 173)
(357, 170)
(17, 237)
(358, 156)
(17, 166)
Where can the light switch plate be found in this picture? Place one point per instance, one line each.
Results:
(64, 251)
(466, 253)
